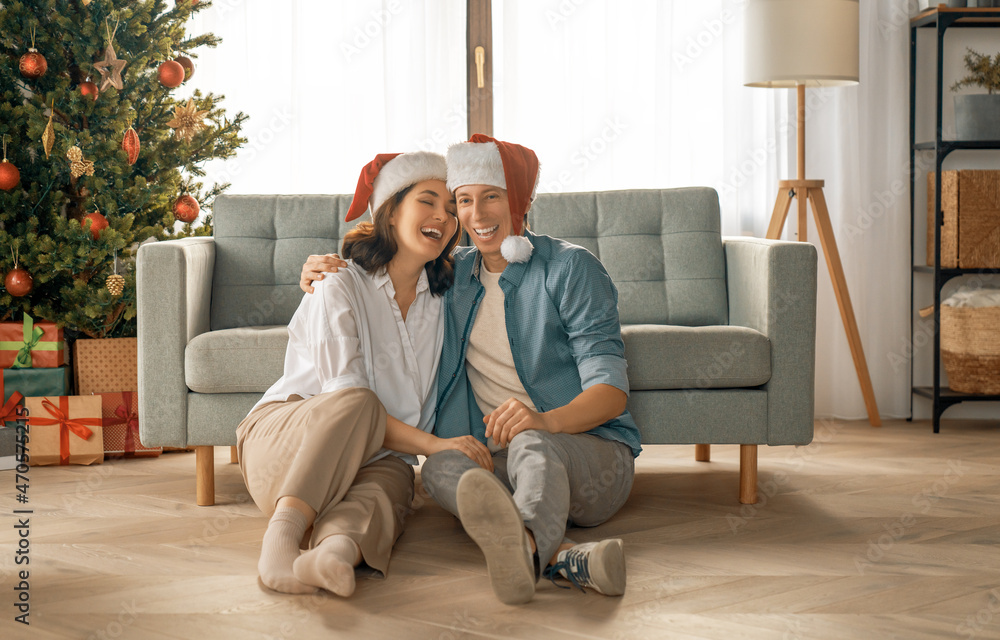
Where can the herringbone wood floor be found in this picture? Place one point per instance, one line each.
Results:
(866, 533)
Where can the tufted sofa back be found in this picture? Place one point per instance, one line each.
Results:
(662, 247)
(260, 245)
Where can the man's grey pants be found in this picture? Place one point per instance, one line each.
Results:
(557, 479)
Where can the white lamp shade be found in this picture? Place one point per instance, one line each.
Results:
(809, 42)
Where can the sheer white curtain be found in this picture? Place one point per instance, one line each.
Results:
(327, 85)
(648, 94)
(858, 139)
(644, 94)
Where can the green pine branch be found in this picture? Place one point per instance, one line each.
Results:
(40, 219)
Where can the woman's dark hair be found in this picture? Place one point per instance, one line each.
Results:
(371, 245)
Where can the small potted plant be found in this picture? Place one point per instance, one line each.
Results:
(977, 116)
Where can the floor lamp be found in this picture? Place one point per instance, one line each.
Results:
(809, 43)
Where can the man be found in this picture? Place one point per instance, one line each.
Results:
(533, 365)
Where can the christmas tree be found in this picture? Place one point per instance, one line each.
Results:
(100, 153)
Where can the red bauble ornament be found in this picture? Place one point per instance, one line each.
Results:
(18, 282)
(130, 143)
(171, 74)
(188, 66)
(89, 89)
(186, 209)
(9, 175)
(33, 64)
(97, 222)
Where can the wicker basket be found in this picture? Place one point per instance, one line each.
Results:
(970, 348)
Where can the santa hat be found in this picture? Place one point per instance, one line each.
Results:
(486, 160)
(390, 173)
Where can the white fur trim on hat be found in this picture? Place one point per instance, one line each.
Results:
(475, 163)
(404, 170)
(516, 249)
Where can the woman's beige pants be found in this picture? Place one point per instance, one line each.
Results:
(314, 450)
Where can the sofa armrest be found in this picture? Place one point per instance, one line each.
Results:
(174, 294)
(771, 287)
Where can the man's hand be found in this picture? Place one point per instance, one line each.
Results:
(474, 449)
(511, 418)
(316, 266)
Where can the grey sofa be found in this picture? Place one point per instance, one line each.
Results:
(719, 332)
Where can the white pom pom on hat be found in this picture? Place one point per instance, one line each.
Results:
(486, 160)
(516, 249)
(390, 173)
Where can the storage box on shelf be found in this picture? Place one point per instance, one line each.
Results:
(970, 341)
(970, 229)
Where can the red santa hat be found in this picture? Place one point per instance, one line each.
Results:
(390, 173)
(486, 160)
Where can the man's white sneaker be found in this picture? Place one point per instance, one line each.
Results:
(598, 565)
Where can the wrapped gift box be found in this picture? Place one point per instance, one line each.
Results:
(8, 448)
(30, 382)
(107, 365)
(65, 430)
(10, 408)
(120, 415)
(31, 344)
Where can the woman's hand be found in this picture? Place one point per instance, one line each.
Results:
(316, 266)
(511, 418)
(474, 449)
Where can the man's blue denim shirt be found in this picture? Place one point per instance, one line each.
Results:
(561, 311)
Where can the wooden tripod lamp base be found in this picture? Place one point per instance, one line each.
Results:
(792, 45)
(811, 192)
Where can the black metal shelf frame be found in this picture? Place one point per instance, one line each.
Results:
(940, 19)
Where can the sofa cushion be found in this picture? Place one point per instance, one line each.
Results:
(248, 360)
(251, 359)
(673, 357)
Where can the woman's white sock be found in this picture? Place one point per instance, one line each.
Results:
(330, 565)
(279, 550)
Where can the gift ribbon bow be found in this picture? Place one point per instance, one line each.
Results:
(8, 411)
(32, 338)
(130, 420)
(60, 416)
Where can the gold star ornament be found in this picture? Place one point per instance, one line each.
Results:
(187, 121)
(110, 69)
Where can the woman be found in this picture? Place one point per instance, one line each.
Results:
(330, 446)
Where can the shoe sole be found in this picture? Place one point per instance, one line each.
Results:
(607, 570)
(493, 521)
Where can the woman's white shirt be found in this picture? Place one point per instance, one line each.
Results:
(351, 333)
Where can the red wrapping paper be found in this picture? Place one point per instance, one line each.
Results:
(120, 418)
(42, 342)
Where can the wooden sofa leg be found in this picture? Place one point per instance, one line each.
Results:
(703, 452)
(233, 457)
(205, 475)
(748, 474)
